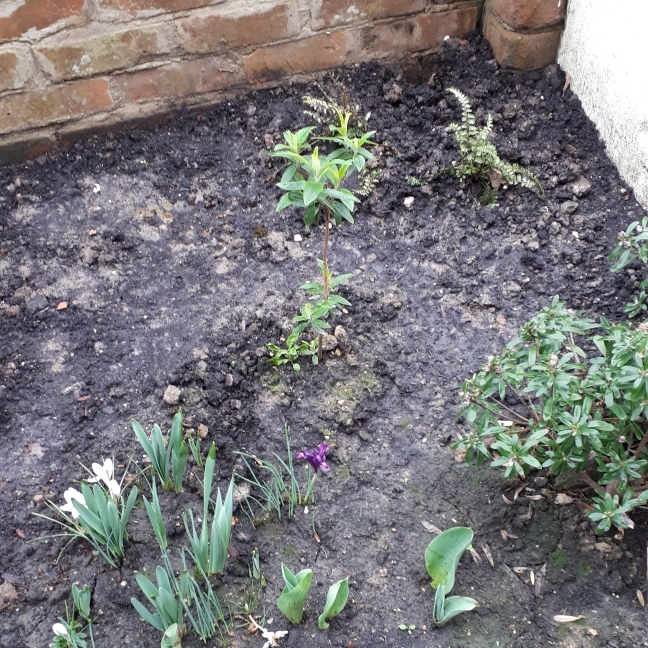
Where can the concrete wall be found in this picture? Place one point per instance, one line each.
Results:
(68, 66)
(605, 51)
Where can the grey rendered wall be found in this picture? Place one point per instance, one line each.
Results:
(605, 51)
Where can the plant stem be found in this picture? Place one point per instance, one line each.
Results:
(327, 221)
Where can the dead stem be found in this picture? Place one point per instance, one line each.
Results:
(327, 220)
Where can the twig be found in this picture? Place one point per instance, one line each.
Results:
(590, 482)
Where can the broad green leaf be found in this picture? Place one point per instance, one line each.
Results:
(311, 191)
(336, 599)
(153, 619)
(172, 637)
(291, 601)
(443, 554)
(453, 606)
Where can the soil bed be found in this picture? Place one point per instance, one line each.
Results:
(152, 238)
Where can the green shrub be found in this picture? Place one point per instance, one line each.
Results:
(563, 398)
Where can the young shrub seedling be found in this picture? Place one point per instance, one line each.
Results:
(543, 403)
(313, 182)
(478, 156)
(441, 560)
(336, 599)
(292, 599)
(168, 460)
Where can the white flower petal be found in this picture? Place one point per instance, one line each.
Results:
(60, 630)
(113, 488)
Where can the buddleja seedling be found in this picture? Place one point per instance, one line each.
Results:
(478, 157)
(313, 182)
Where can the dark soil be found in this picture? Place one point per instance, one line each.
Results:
(152, 237)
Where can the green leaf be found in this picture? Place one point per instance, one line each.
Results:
(284, 202)
(153, 619)
(336, 599)
(443, 554)
(311, 191)
(453, 606)
(172, 637)
(291, 602)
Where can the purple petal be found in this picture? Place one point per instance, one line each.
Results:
(324, 467)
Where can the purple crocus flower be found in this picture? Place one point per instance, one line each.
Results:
(316, 458)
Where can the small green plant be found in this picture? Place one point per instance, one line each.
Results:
(407, 628)
(413, 181)
(194, 447)
(168, 615)
(632, 245)
(68, 632)
(168, 459)
(544, 402)
(293, 351)
(97, 515)
(336, 599)
(441, 560)
(292, 599)
(314, 183)
(209, 548)
(478, 156)
(274, 493)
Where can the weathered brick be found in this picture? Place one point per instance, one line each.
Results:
(150, 7)
(181, 79)
(75, 56)
(17, 149)
(312, 54)
(522, 51)
(38, 14)
(422, 32)
(15, 68)
(530, 14)
(57, 104)
(211, 30)
(330, 13)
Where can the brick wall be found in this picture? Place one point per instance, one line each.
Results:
(70, 66)
(524, 34)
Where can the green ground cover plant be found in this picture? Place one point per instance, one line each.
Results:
(568, 393)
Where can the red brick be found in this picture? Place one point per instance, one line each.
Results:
(38, 14)
(530, 14)
(149, 7)
(311, 54)
(57, 104)
(180, 79)
(72, 57)
(211, 30)
(521, 51)
(422, 32)
(330, 13)
(15, 68)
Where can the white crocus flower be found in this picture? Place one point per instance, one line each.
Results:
(60, 630)
(272, 637)
(105, 474)
(69, 495)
